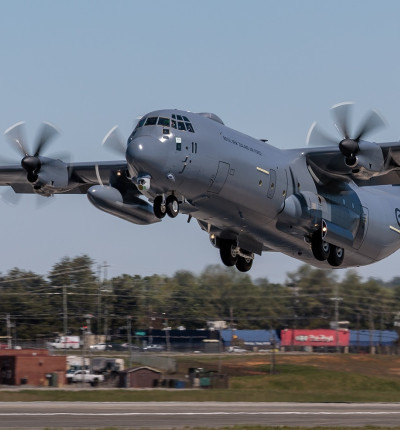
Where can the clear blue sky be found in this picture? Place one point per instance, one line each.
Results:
(267, 68)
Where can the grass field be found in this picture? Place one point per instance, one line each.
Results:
(299, 378)
(255, 428)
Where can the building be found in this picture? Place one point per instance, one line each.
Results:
(140, 377)
(373, 340)
(31, 366)
(251, 339)
(315, 340)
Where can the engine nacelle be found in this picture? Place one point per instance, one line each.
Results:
(368, 162)
(109, 199)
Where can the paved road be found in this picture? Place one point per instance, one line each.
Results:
(165, 415)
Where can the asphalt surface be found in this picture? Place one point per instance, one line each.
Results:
(166, 415)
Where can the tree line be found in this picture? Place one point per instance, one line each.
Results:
(75, 293)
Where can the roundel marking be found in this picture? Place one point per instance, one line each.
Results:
(397, 213)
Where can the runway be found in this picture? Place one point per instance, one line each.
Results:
(165, 415)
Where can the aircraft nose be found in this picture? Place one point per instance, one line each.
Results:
(146, 154)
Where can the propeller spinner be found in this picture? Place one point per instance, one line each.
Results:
(31, 163)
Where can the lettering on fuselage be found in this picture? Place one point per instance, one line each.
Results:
(242, 145)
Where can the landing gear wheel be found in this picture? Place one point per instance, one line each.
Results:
(172, 206)
(336, 256)
(319, 247)
(159, 208)
(227, 251)
(244, 264)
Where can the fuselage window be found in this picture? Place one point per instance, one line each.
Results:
(179, 118)
(185, 118)
(173, 123)
(151, 120)
(189, 127)
(181, 125)
(173, 116)
(163, 121)
(141, 122)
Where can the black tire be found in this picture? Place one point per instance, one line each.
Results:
(172, 206)
(227, 251)
(319, 247)
(336, 256)
(244, 264)
(159, 209)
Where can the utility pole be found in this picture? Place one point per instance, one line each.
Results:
(9, 338)
(100, 284)
(65, 311)
(371, 331)
(337, 300)
(296, 301)
(129, 332)
(98, 325)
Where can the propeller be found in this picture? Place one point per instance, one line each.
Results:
(114, 141)
(31, 163)
(349, 144)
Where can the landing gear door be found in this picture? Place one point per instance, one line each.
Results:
(362, 229)
(218, 180)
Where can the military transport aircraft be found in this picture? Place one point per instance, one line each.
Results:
(330, 205)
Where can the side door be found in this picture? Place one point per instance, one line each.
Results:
(218, 180)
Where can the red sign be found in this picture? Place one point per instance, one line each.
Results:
(320, 337)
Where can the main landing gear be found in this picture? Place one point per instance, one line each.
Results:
(325, 251)
(232, 255)
(163, 206)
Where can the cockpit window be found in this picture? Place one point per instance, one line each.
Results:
(152, 120)
(179, 122)
(163, 121)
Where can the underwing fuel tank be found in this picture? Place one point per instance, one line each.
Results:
(109, 199)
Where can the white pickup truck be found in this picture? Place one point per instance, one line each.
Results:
(84, 375)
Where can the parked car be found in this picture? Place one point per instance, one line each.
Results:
(99, 346)
(236, 349)
(153, 347)
(84, 375)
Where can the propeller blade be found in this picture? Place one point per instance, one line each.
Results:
(316, 137)
(342, 115)
(372, 122)
(16, 136)
(114, 141)
(96, 169)
(47, 133)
